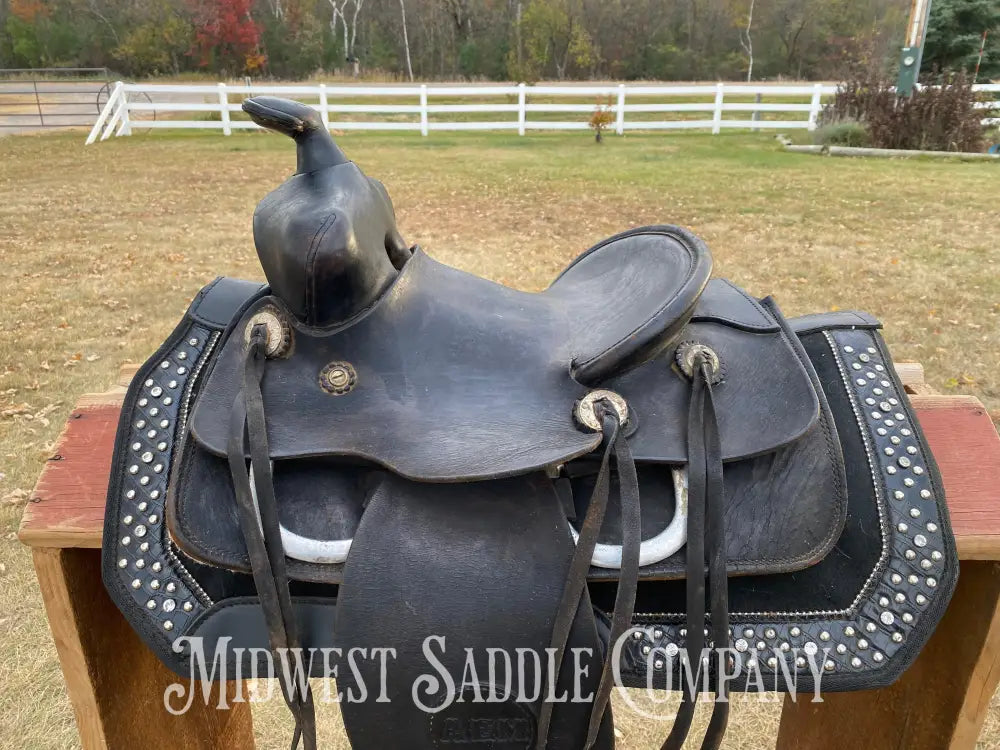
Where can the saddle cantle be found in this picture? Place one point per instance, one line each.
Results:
(378, 451)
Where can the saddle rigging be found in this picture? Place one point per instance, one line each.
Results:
(635, 465)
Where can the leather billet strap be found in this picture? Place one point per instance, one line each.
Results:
(259, 522)
(616, 445)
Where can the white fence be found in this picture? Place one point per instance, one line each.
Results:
(413, 107)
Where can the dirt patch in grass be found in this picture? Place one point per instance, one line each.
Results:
(102, 247)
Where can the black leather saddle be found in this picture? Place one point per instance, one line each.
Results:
(378, 451)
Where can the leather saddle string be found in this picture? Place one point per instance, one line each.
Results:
(705, 529)
(262, 533)
(576, 577)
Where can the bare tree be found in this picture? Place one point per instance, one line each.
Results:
(747, 43)
(406, 39)
(339, 13)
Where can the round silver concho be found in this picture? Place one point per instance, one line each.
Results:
(688, 351)
(586, 414)
(338, 378)
(279, 335)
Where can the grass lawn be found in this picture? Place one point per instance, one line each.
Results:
(102, 247)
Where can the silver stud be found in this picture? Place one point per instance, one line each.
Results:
(130, 494)
(140, 563)
(905, 432)
(841, 648)
(136, 583)
(140, 531)
(800, 662)
(920, 540)
(896, 578)
(870, 401)
(136, 446)
(897, 637)
(182, 370)
(143, 401)
(144, 547)
(140, 424)
(855, 662)
(188, 606)
(936, 556)
(907, 618)
(861, 382)
(168, 401)
(127, 520)
(900, 597)
(658, 664)
(157, 468)
(918, 470)
(154, 518)
(786, 646)
(637, 635)
(900, 416)
(910, 554)
(862, 644)
(169, 605)
(877, 391)
(748, 633)
(683, 632)
(912, 579)
(741, 645)
(904, 462)
(884, 383)
(911, 449)
(914, 512)
(903, 528)
(193, 342)
(181, 355)
(881, 431)
(855, 366)
(824, 635)
(931, 582)
(899, 495)
(646, 649)
(157, 567)
(849, 631)
(890, 469)
(154, 584)
(156, 392)
(164, 423)
(883, 601)
(151, 434)
(133, 469)
(168, 625)
(657, 633)
(880, 368)
(142, 506)
(123, 563)
(126, 540)
(164, 365)
(876, 415)
(920, 599)
(161, 446)
(796, 631)
(172, 384)
(877, 656)
(895, 440)
(925, 494)
(772, 662)
(849, 349)
(926, 564)
(810, 648)
(769, 633)
(761, 645)
(908, 481)
(672, 650)
(146, 457)
(151, 604)
(889, 451)
(829, 666)
(144, 481)
(887, 618)
(154, 411)
(889, 423)
(885, 406)
(871, 627)
(870, 375)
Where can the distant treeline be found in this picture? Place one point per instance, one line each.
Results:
(523, 40)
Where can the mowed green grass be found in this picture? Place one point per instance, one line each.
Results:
(102, 247)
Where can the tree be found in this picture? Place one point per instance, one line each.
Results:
(226, 36)
(954, 33)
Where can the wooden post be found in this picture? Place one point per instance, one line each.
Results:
(424, 129)
(521, 104)
(620, 119)
(720, 90)
(224, 110)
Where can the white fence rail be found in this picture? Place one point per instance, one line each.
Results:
(413, 107)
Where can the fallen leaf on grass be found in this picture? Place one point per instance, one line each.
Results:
(15, 497)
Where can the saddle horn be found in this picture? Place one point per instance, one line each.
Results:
(327, 237)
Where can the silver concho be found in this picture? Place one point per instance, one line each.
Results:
(279, 335)
(686, 353)
(587, 416)
(338, 378)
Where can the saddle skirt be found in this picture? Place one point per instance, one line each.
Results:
(638, 462)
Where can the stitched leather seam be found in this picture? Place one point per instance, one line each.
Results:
(314, 244)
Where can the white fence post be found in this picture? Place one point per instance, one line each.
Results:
(324, 106)
(814, 106)
(720, 90)
(125, 128)
(521, 112)
(224, 109)
(109, 106)
(620, 119)
(423, 109)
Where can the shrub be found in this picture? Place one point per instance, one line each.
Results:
(942, 117)
(601, 118)
(845, 133)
